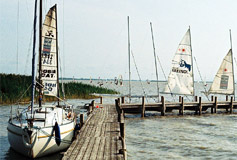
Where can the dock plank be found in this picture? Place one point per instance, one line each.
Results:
(98, 138)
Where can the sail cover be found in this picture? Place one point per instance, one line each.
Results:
(224, 80)
(48, 54)
(180, 80)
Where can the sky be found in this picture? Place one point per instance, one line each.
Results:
(93, 35)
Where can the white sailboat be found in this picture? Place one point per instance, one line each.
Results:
(39, 130)
(181, 78)
(224, 80)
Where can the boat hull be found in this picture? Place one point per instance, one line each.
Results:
(41, 141)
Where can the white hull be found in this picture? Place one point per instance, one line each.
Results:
(41, 142)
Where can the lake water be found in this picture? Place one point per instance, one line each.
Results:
(155, 137)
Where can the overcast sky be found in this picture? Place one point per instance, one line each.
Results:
(93, 35)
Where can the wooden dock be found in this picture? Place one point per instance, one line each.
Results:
(198, 106)
(101, 136)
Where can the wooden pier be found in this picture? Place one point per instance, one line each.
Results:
(102, 136)
(198, 106)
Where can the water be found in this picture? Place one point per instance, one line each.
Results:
(155, 137)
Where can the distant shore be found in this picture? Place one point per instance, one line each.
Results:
(17, 89)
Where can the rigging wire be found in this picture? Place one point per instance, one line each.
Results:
(61, 74)
(17, 35)
(144, 93)
(29, 51)
(201, 79)
(165, 77)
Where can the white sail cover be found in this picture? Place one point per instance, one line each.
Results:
(48, 54)
(180, 80)
(224, 80)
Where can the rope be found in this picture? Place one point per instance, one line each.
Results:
(201, 79)
(165, 77)
(23, 94)
(144, 93)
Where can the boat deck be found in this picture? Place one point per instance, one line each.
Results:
(99, 138)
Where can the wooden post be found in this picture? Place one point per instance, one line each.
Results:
(101, 100)
(215, 105)
(118, 109)
(212, 107)
(122, 100)
(163, 106)
(226, 101)
(200, 105)
(122, 127)
(119, 101)
(181, 110)
(231, 105)
(93, 104)
(196, 108)
(196, 98)
(143, 107)
(180, 98)
(81, 120)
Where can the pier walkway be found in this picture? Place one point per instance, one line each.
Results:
(99, 137)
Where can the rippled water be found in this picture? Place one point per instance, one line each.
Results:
(155, 137)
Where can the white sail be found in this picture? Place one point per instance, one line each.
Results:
(49, 58)
(180, 80)
(224, 80)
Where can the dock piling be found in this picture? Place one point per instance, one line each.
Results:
(212, 107)
(81, 120)
(231, 105)
(215, 105)
(200, 105)
(163, 106)
(226, 101)
(181, 110)
(143, 107)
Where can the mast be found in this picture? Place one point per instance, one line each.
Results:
(33, 61)
(155, 61)
(40, 50)
(129, 70)
(57, 52)
(232, 63)
(192, 60)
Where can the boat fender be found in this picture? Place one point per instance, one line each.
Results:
(26, 138)
(57, 134)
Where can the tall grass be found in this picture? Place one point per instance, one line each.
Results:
(13, 86)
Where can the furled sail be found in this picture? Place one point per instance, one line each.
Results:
(180, 80)
(49, 73)
(224, 80)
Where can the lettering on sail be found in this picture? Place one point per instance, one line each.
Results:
(177, 70)
(224, 82)
(48, 73)
(49, 87)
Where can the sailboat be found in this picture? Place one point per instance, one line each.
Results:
(39, 130)
(181, 78)
(224, 80)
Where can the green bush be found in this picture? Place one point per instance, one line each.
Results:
(12, 87)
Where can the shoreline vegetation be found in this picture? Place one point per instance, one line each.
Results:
(18, 87)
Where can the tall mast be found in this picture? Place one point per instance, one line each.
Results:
(33, 61)
(129, 63)
(155, 62)
(40, 50)
(232, 63)
(192, 60)
(57, 52)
